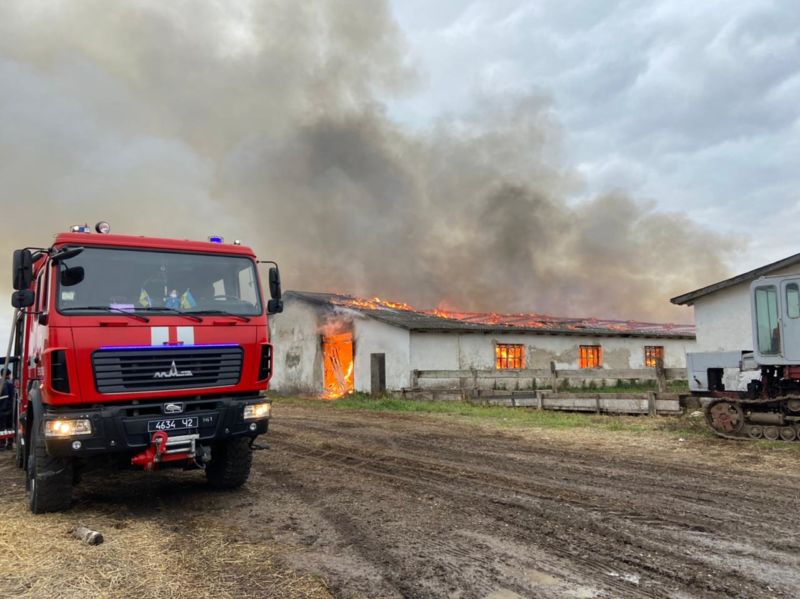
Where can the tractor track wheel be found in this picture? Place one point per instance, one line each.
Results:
(725, 417)
(230, 463)
(49, 479)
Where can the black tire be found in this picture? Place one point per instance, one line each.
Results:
(19, 450)
(230, 463)
(49, 479)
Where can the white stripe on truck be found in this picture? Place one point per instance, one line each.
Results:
(159, 335)
(186, 335)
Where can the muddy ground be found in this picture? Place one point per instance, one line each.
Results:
(366, 504)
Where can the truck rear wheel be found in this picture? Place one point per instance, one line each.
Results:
(19, 451)
(230, 463)
(49, 479)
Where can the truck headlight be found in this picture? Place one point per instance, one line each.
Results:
(256, 411)
(67, 428)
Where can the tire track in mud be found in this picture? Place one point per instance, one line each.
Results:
(518, 511)
(703, 510)
(626, 526)
(686, 485)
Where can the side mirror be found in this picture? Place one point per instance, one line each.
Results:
(72, 276)
(274, 306)
(275, 283)
(22, 298)
(66, 253)
(22, 269)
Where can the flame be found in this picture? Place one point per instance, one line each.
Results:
(337, 355)
(521, 320)
(337, 346)
(376, 303)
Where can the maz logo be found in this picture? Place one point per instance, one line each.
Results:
(173, 373)
(172, 408)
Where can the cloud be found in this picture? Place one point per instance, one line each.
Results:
(692, 104)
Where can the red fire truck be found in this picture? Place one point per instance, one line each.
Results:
(136, 352)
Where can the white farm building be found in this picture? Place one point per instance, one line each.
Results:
(722, 313)
(328, 344)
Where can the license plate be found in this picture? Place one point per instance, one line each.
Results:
(172, 424)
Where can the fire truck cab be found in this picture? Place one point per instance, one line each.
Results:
(136, 352)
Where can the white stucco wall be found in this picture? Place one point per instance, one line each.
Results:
(298, 366)
(372, 336)
(454, 351)
(723, 318)
(298, 363)
(297, 358)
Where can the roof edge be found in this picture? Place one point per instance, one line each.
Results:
(687, 299)
(323, 300)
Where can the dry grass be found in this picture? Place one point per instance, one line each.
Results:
(142, 556)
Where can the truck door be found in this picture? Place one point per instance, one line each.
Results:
(790, 319)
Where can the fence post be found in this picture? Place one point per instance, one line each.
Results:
(651, 404)
(661, 376)
(474, 379)
(553, 377)
(540, 400)
(414, 379)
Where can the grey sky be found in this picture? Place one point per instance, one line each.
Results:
(481, 137)
(693, 105)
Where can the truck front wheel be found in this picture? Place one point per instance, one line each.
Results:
(230, 463)
(49, 479)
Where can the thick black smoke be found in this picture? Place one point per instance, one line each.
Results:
(264, 120)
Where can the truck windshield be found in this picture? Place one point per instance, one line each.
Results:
(113, 281)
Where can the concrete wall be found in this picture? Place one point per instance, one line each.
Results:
(372, 336)
(458, 351)
(723, 318)
(295, 335)
(297, 364)
(297, 361)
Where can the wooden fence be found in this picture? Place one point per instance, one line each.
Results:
(469, 388)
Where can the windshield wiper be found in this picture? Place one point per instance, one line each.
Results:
(107, 309)
(171, 311)
(219, 313)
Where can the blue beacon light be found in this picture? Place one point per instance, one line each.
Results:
(215, 239)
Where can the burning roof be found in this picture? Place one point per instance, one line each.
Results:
(407, 317)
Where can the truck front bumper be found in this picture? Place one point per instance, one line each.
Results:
(128, 428)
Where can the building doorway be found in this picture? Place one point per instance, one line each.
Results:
(337, 365)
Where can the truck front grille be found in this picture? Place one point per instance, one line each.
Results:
(166, 368)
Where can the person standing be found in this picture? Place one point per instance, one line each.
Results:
(7, 397)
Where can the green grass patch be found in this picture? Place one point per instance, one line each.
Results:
(498, 415)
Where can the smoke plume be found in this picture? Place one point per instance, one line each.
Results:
(265, 121)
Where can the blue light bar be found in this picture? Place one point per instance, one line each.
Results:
(216, 239)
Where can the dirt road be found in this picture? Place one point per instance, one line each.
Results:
(395, 505)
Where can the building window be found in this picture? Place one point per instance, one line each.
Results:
(793, 300)
(509, 356)
(651, 355)
(769, 335)
(591, 356)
